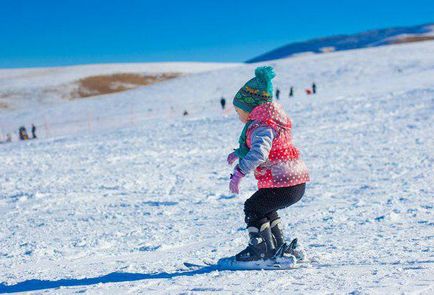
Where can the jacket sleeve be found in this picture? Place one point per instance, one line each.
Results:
(262, 140)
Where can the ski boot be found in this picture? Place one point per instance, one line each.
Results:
(293, 248)
(261, 244)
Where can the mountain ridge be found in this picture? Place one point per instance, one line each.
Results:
(371, 38)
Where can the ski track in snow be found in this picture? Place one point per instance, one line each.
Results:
(121, 210)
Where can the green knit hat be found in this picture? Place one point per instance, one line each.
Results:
(256, 91)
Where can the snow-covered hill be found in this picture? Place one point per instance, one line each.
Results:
(372, 38)
(38, 87)
(119, 205)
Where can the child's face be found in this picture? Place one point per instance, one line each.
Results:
(242, 115)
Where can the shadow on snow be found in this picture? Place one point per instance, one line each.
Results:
(114, 277)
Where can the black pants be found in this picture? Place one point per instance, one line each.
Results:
(262, 205)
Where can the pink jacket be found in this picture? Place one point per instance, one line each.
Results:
(284, 166)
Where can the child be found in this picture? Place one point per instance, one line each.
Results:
(266, 147)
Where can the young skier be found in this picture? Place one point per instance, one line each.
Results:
(265, 147)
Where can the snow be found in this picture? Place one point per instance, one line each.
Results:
(31, 77)
(119, 205)
(34, 88)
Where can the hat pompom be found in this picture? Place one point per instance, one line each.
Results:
(265, 74)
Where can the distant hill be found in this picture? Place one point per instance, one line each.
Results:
(34, 87)
(372, 38)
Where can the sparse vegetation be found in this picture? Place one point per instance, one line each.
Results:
(411, 39)
(105, 84)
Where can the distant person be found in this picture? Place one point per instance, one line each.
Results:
(8, 137)
(185, 113)
(223, 102)
(277, 93)
(308, 91)
(22, 133)
(314, 88)
(33, 131)
(291, 91)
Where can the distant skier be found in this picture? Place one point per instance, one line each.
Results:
(8, 137)
(277, 93)
(185, 113)
(223, 102)
(266, 148)
(22, 133)
(313, 88)
(33, 131)
(291, 91)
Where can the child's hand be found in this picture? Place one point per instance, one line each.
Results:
(235, 180)
(232, 157)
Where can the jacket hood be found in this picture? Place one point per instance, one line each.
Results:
(272, 114)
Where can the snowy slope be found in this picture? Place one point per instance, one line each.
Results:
(122, 207)
(34, 88)
(371, 38)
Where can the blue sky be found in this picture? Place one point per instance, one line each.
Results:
(62, 32)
